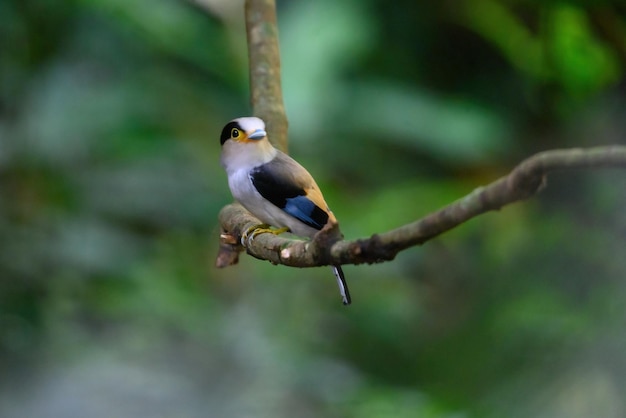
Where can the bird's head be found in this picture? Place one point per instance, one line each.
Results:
(243, 130)
(244, 144)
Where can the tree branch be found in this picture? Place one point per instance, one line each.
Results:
(522, 182)
(264, 60)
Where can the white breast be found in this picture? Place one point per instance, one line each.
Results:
(245, 193)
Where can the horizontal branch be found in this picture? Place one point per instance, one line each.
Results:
(522, 182)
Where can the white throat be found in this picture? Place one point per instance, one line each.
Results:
(246, 155)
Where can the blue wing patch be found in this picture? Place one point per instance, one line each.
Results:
(300, 207)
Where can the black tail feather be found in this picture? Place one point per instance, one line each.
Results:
(343, 285)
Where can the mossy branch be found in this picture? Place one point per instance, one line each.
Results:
(522, 182)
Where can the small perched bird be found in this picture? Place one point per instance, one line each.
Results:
(273, 186)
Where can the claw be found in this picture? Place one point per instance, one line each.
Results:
(249, 235)
(247, 232)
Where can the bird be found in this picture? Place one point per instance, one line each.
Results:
(274, 187)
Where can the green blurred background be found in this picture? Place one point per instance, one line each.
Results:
(110, 185)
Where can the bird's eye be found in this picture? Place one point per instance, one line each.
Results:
(234, 133)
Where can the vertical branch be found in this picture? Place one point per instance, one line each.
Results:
(266, 94)
(264, 62)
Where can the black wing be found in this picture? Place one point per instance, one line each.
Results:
(285, 191)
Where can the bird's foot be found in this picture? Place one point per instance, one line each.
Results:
(251, 233)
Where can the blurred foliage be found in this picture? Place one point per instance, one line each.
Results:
(110, 186)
